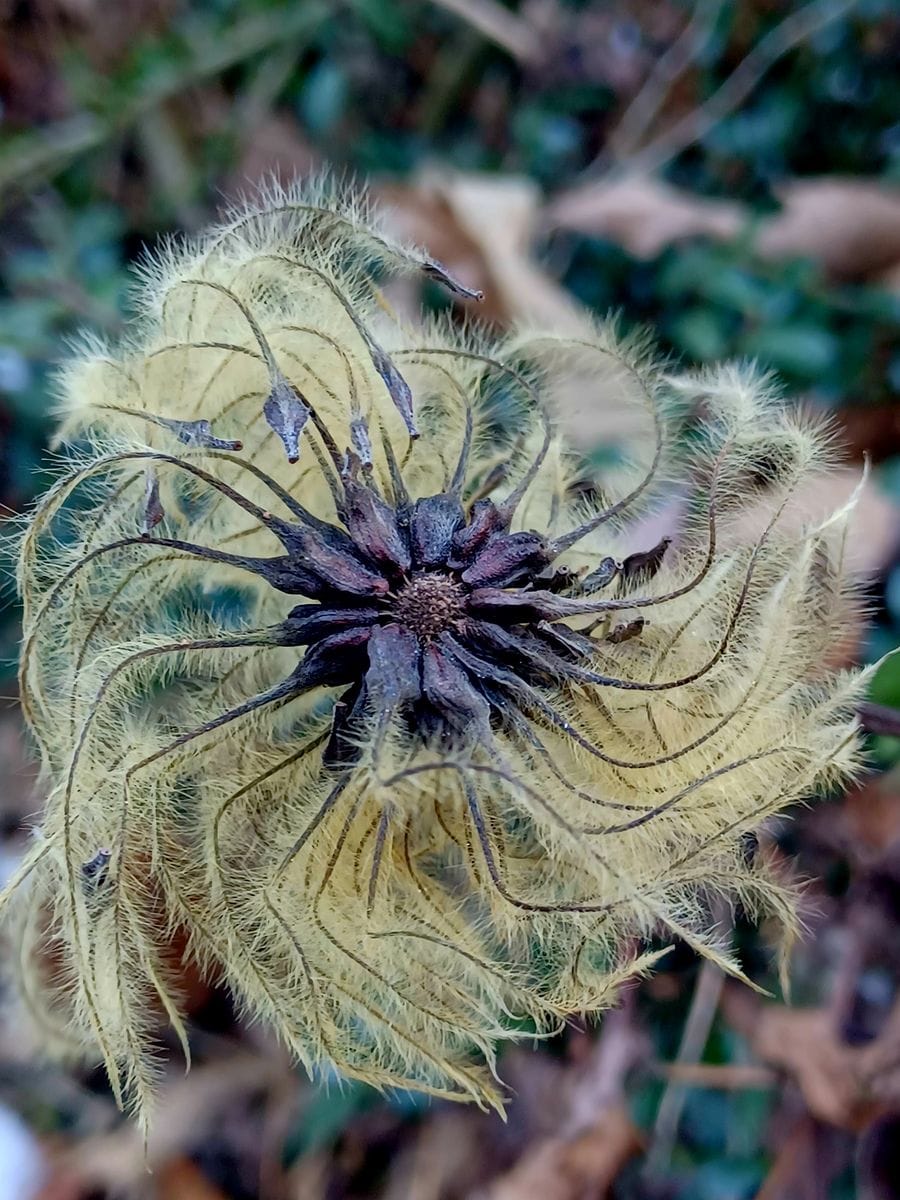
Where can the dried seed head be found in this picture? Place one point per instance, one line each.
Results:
(407, 735)
(430, 604)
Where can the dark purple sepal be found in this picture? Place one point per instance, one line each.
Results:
(393, 676)
(434, 521)
(309, 623)
(449, 690)
(525, 654)
(286, 573)
(506, 560)
(340, 749)
(510, 608)
(478, 667)
(335, 660)
(566, 641)
(334, 562)
(373, 527)
(485, 520)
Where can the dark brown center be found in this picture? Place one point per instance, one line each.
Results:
(429, 604)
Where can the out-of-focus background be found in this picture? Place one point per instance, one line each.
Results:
(728, 172)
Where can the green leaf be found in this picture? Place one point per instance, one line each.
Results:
(807, 351)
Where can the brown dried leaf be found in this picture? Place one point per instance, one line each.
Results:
(844, 1085)
(872, 429)
(190, 1107)
(483, 228)
(183, 1180)
(870, 814)
(803, 1043)
(499, 214)
(851, 226)
(591, 1135)
(644, 215)
(568, 1169)
(422, 215)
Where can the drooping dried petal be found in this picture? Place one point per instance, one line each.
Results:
(153, 512)
(507, 559)
(449, 688)
(435, 520)
(393, 675)
(197, 433)
(287, 415)
(374, 528)
(439, 273)
(398, 388)
(645, 563)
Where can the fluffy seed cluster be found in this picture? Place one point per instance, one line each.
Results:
(350, 681)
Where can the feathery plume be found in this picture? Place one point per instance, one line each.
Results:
(340, 669)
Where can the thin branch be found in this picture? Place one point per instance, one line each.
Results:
(683, 53)
(704, 1005)
(499, 25)
(795, 29)
(736, 1077)
(34, 158)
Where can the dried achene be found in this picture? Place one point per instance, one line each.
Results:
(342, 669)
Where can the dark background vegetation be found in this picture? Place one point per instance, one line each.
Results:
(725, 172)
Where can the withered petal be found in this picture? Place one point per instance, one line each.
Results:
(374, 527)
(335, 660)
(286, 414)
(393, 676)
(507, 559)
(450, 690)
(485, 520)
(310, 622)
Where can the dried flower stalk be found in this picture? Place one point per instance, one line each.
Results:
(337, 667)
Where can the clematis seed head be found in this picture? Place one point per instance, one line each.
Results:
(345, 669)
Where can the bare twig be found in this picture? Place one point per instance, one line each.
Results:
(683, 52)
(731, 1077)
(704, 1005)
(595, 1136)
(37, 157)
(499, 25)
(792, 31)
